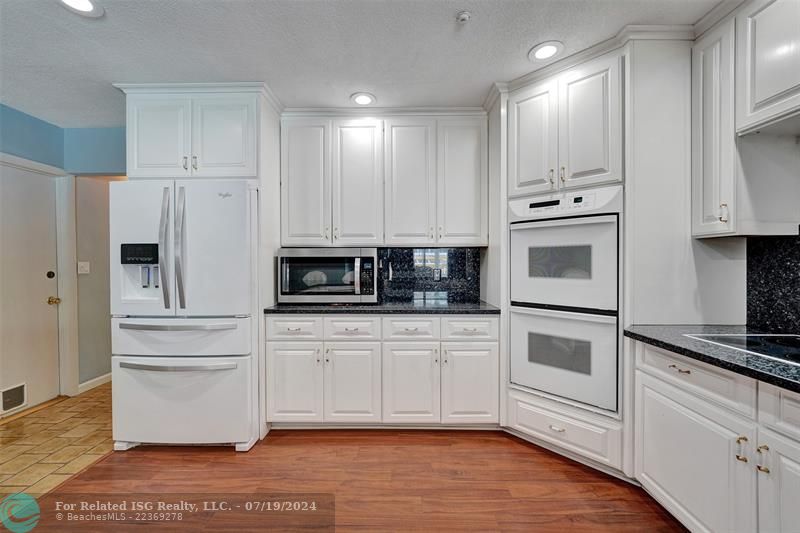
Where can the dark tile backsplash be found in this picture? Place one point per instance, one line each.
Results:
(408, 274)
(773, 284)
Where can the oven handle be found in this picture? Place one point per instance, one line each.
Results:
(566, 315)
(600, 219)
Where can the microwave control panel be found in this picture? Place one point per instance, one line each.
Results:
(367, 276)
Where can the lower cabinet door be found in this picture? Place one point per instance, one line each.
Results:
(294, 374)
(470, 382)
(686, 458)
(411, 374)
(778, 467)
(352, 382)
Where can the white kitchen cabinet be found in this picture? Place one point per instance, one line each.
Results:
(713, 139)
(305, 182)
(294, 377)
(411, 382)
(767, 62)
(410, 171)
(590, 123)
(159, 136)
(352, 382)
(533, 139)
(470, 382)
(462, 181)
(203, 135)
(778, 466)
(357, 184)
(695, 458)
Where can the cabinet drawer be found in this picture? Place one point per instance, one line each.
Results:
(352, 328)
(779, 409)
(404, 329)
(731, 390)
(294, 328)
(464, 328)
(601, 442)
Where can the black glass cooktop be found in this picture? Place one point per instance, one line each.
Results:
(783, 347)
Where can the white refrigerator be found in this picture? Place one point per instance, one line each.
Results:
(183, 296)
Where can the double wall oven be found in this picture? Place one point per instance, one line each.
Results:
(565, 293)
(327, 275)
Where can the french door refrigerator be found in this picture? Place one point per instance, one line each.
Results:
(183, 290)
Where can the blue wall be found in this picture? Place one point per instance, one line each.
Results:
(76, 150)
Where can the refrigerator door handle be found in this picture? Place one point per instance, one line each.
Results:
(162, 245)
(179, 368)
(178, 327)
(179, 240)
(357, 275)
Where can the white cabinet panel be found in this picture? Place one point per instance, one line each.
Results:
(779, 410)
(352, 382)
(470, 328)
(294, 375)
(462, 206)
(686, 457)
(181, 337)
(357, 182)
(305, 183)
(768, 62)
(352, 328)
(778, 467)
(470, 382)
(411, 374)
(410, 152)
(590, 123)
(410, 328)
(294, 327)
(158, 136)
(224, 136)
(533, 139)
(713, 137)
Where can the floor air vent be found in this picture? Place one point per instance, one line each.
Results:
(13, 398)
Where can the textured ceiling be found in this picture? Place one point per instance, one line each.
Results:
(59, 66)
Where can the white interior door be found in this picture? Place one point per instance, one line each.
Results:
(212, 248)
(410, 181)
(28, 325)
(142, 213)
(357, 182)
(224, 136)
(352, 382)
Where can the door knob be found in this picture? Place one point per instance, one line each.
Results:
(53, 300)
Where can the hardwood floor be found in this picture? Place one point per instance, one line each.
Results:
(387, 480)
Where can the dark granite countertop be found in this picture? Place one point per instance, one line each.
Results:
(756, 366)
(428, 307)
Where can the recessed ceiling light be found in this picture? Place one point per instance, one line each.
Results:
(84, 8)
(545, 50)
(363, 98)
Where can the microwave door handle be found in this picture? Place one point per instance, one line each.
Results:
(357, 274)
(162, 246)
(284, 276)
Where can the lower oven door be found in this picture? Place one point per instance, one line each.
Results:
(572, 355)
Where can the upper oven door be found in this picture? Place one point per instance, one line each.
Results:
(568, 262)
(326, 276)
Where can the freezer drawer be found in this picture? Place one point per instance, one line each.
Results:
(187, 337)
(192, 400)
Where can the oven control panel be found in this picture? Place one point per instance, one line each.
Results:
(608, 199)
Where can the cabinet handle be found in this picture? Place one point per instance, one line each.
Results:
(327, 232)
(723, 212)
(740, 440)
(680, 370)
(194, 162)
(469, 330)
(292, 330)
(335, 233)
(550, 177)
(185, 163)
(741, 458)
(351, 330)
(557, 429)
(563, 175)
(318, 359)
(444, 360)
(762, 449)
(762, 468)
(431, 234)
(411, 330)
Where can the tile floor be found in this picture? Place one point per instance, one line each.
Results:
(42, 449)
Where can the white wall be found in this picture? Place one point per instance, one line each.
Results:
(671, 278)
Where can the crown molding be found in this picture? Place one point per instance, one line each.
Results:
(632, 32)
(718, 13)
(233, 87)
(346, 112)
(495, 91)
(21, 163)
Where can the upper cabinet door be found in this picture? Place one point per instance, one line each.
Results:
(462, 176)
(590, 123)
(533, 139)
(768, 62)
(224, 136)
(305, 182)
(357, 182)
(713, 136)
(158, 136)
(410, 153)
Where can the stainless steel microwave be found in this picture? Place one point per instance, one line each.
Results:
(327, 275)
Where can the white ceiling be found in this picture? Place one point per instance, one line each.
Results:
(313, 53)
